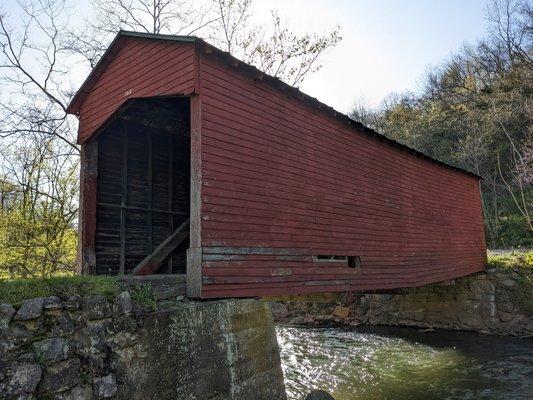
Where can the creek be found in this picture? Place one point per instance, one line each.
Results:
(402, 363)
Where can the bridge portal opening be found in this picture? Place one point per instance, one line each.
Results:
(143, 188)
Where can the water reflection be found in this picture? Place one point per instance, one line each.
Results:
(402, 363)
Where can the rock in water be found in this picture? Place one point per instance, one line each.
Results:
(319, 395)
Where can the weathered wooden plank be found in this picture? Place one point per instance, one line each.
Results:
(149, 190)
(133, 208)
(170, 188)
(88, 190)
(153, 261)
(194, 253)
(255, 250)
(123, 201)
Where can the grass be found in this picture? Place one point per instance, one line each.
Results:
(522, 264)
(13, 291)
(511, 260)
(144, 296)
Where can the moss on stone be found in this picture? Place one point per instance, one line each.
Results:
(14, 291)
(521, 265)
(522, 294)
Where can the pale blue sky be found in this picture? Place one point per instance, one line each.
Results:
(387, 44)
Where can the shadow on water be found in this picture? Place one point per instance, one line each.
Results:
(402, 363)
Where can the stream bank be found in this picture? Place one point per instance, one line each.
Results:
(497, 301)
(101, 347)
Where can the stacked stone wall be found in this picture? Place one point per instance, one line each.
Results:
(93, 347)
(496, 302)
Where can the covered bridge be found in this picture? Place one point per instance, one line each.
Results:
(196, 163)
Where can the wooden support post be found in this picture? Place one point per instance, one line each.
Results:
(87, 213)
(194, 253)
(170, 188)
(123, 202)
(149, 215)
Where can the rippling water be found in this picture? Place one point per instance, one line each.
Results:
(403, 363)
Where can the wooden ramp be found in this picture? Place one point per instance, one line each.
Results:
(153, 261)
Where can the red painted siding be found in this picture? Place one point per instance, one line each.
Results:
(282, 182)
(140, 68)
(275, 180)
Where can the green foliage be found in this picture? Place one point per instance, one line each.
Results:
(38, 211)
(144, 296)
(512, 260)
(13, 291)
(510, 231)
(521, 263)
(523, 293)
(42, 246)
(475, 112)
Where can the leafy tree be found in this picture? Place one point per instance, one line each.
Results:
(38, 213)
(38, 152)
(475, 112)
(229, 24)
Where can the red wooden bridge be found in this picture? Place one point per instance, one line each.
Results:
(196, 163)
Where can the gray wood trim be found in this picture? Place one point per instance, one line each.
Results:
(194, 254)
(86, 257)
(194, 272)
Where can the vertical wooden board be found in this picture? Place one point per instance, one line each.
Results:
(108, 241)
(179, 258)
(181, 170)
(131, 167)
(109, 184)
(88, 185)
(160, 178)
(194, 253)
(138, 168)
(136, 239)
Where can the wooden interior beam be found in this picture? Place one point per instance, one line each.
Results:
(149, 216)
(123, 202)
(170, 188)
(152, 262)
(133, 208)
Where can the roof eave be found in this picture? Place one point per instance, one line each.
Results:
(74, 105)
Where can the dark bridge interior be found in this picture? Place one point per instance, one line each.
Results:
(143, 188)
